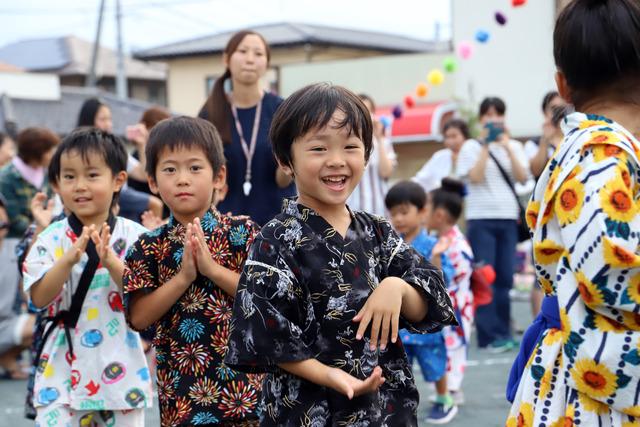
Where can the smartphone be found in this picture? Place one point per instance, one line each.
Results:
(495, 130)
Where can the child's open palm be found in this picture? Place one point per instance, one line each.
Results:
(73, 255)
(42, 212)
(351, 386)
(382, 310)
(103, 247)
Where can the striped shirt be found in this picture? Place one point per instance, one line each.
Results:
(492, 198)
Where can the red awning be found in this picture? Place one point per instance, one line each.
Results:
(422, 122)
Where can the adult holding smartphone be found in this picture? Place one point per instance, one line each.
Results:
(242, 112)
(492, 214)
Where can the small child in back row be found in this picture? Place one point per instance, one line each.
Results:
(325, 289)
(182, 278)
(91, 367)
(407, 204)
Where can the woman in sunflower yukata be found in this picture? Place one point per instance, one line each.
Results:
(182, 277)
(318, 275)
(585, 366)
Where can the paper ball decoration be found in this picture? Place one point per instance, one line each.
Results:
(450, 65)
(465, 50)
(501, 19)
(422, 90)
(435, 77)
(386, 121)
(517, 3)
(397, 112)
(409, 102)
(482, 36)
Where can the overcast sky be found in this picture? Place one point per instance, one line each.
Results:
(149, 23)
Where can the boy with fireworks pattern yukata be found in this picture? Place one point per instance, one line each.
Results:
(91, 370)
(325, 289)
(182, 278)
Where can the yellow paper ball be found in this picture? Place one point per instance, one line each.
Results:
(435, 77)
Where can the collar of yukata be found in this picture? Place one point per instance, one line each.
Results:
(209, 221)
(290, 206)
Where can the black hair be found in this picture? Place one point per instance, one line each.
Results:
(449, 196)
(365, 97)
(311, 108)
(406, 192)
(86, 141)
(495, 102)
(596, 45)
(88, 111)
(184, 132)
(548, 97)
(459, 124)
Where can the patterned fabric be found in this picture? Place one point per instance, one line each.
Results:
(457, 337)
(108, 370)
(195, 387)
(18, 194)
(63, 416)
(299, 291)
(585, 221)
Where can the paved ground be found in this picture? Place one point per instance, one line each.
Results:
(483, 388)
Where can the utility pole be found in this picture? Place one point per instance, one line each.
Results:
(91, 79)
(121, 75)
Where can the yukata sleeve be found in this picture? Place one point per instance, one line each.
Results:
(400, 260)
(447, 270)
(273, 320)
(140, 272)
(241, 236)
(41, 257)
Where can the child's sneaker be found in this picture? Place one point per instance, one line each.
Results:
(457, 396)
(441, 413)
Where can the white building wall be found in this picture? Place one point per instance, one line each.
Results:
(44, 87)
(517, 62)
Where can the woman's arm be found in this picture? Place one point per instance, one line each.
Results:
(476, 173)
(385, 163)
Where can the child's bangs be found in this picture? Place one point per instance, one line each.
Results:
(318, 116)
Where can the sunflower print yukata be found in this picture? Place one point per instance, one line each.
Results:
(586, 229)
(195, 387)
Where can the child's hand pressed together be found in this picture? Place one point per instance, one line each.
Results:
(204, 261)
(441, 246)
(382, 310)
(103, 248)
(188, 269)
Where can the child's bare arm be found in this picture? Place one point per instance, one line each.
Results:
(392, 297)
(46, 289)
(146, 309)
(318, 373)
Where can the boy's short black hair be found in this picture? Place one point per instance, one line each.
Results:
(449, 196)
(85, 141)
(184, 132)
(311, 108)
(596, 45)
(406, 192)
(495, 102)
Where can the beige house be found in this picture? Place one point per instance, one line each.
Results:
(70, 59)
(194, 65)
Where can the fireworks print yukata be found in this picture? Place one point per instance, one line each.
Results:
(108, 370)
(301, 287)
(586, 231)
(195, 387)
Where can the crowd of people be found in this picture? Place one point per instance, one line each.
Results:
(257, 265)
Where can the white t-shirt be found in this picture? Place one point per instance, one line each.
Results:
(369, 195)
(492, 198)
(439, 166)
